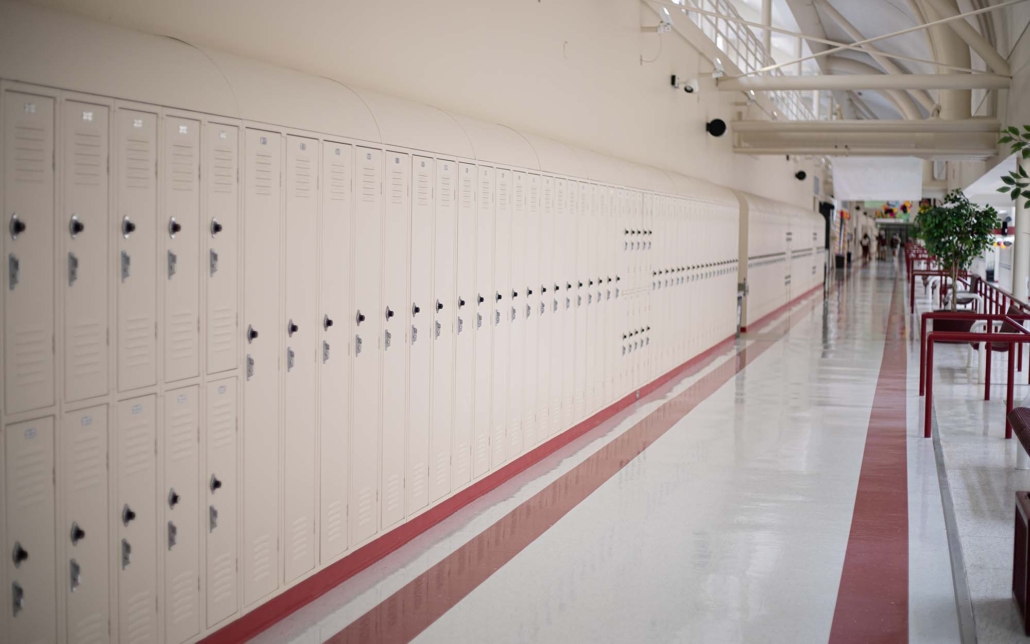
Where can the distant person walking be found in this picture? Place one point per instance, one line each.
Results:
(866, 243)
(895, 242)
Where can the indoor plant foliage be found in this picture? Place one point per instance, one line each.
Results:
(1017, 184)
(956, 232)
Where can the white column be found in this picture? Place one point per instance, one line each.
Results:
(1020, 273)
(767, 21)
(816, 104)
(797, 53)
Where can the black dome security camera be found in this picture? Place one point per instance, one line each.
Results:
(800, 175)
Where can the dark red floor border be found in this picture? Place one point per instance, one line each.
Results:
(294, 598)
(872, 602)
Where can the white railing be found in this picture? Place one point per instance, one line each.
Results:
(746, 51)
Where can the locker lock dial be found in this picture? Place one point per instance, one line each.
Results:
(461, 302)
(17, 226)
(389, 313)
(215, 483)
(215, 227)
(78, 534)
(439, 305)
(481, 300)
(415, 309)
(173, 227)
(127, 227)
(173, 498)
(291, 328)
(75, 226)
(252, 334)
(127, 514)
(327, 322)
(360, 317)
(19, 555)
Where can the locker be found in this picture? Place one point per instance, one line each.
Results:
(334, 381)
(501, 321)
(300, 336)
(29, 468)
(84, 445)
(546, 310)
(516, 317)
(484, 323)
(604, 295)
(570, 249)
(445, 306)
(85, 154)
(181, 233)
(530, 311)
(592, 243)
(559, 253)
(221, 184)
(583, 204)
(262, 195)
(421, 309)
(28, 200)
(180, 531)
(464, 353)
(219, 516)
(136, 257)
(396, 222)
(136, 513)
(364, 485)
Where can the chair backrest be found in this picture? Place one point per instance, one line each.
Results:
(954, 326)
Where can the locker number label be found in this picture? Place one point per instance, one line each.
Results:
(30, 433)
(87, 116)
(86, 421)
(137, 409)
(181, 399)
(221, 389)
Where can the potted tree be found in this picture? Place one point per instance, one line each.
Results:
(957, 232)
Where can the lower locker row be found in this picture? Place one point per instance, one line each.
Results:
(147, 492)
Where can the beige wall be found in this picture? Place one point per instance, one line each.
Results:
(566, 69)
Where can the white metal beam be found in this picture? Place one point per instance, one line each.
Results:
(863, 81)
(882, 126)
(976, 42)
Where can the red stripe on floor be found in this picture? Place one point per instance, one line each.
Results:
(412, 609)
(872, 603)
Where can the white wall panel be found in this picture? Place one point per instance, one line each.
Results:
(465, 328)
(220, 170)
(421, 334)
(181, 528)
(501, 320)
(84, 231)
(221, 487)
(484, 321)
(443, 330)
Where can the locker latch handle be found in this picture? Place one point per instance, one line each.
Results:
(290, 355)
(387, 337)
(75, 226)
(529, 310)
(13, 270)
(543, 308)
(555, 305)
(17, 226)
(461, 324)
(174, 227)
(250, 366)
(127, 515)
(76, 575)
(438, 327)
(127, 227)
(325, 352)
(215, 227)
(497, 317)
(19, 555)
(78, 534)
(17, 598)
(212, 518)
(479, 320)
(357, 345)
(173, 259)
(414, 333)
(173, 534)
(327, 322)
(73, 269)
(126, 554)
(213, 262)
(125, 265)
(513, 314)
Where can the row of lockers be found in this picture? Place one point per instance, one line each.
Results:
(409, 324)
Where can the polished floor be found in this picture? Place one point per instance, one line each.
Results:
(778, 492)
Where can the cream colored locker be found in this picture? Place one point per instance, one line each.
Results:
(263, 332)
(517, 313)
(592, 220)
(484, 322)
(368, 320)
(137, 515)
(530, 312)
(83, 450)
(544, 310)
(604, 293)
(334, 359)
(397, 222)
(220, 491)
(440, 431)
(569, 251)
(421, 336)
(465, 328)
(220, 170)
(181, 190)
(86, 203)
(300, 335)
(136, 257)
(623, 257)
(556, 303)
(28, 201)
(29, 485)
(501, 320)
(579, 299)
(180, 530)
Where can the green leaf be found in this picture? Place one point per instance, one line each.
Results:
(1007, 180)
(1005, 139)
(1022, 171)
(1013, 130)
(1022, 184)
(1016, 193)
(1027, 128)
(1026, 153)
(1003, 189)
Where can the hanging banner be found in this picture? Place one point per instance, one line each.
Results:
(896, 179)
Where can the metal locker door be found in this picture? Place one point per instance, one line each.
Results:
(262, 202)
(85, 524)
(334, 383)
(300, 335)
(544, 312)
(516, 317)
(421, 334)
(137, 521)
(368, 320)
(180, 531)
(137, 248)
(397, 223)
(529, 310)
(181, 257)
(28, 201)
(464, 353)
(556, 303)
(501, 320)
(609, 329)
(29, 485)
(591, 220)
(484, 323)
(579, 298)
(570, 251)
(85, 189)
(220, 492)
(221, 181)
(443, 330)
